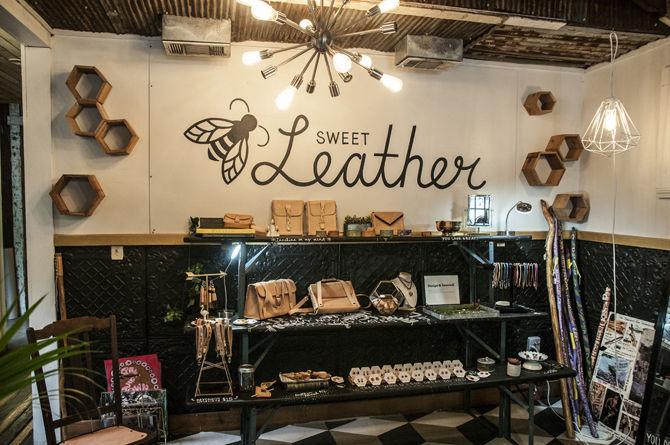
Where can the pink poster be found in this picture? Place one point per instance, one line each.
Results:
(139, 373)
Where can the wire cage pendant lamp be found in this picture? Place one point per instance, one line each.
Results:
(325, 42)
(611, 130)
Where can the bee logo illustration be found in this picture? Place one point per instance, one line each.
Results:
(228, 140)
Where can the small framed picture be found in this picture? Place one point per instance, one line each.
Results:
(441, 289)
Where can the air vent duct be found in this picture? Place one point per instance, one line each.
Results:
(428, 52)
(189, 36)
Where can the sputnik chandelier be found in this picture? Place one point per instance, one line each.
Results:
(325, 40)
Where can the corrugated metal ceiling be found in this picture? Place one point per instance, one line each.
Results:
(581, 44)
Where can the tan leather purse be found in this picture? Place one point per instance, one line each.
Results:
(388, 221)
(237, 221)
(332, 296)
(287, 216)
(269, 299)
(321, 216)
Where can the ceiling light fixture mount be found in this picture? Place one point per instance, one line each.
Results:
(321, 31)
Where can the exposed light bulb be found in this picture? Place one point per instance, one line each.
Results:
(247, 2)
(387, 5)
(263, 11)
(285, 98)
(391, 82)
(610, 120)
(306, 24)
(251, 57)
(365, 60)
(341, 63)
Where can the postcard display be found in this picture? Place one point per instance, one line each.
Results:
(620, 375)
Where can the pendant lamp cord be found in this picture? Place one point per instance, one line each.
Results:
(614, 48)
(614, 290)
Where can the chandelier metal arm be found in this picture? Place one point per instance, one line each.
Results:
(293, 57)
(288, 48)
(330, 74)
(309, 62)
(330, 14)
(354, 23)
(321, 24)
(357, 33)
(332, 24)
(316, 65)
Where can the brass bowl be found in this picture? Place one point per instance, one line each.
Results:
(448, 226)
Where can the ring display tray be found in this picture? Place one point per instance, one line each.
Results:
(460, 311)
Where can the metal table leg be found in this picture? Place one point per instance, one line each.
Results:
(248, 426)
(504, 414)
(531, 413)
(503, 341)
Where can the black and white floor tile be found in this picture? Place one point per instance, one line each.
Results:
(440, 427)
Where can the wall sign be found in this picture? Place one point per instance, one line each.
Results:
(228, 142)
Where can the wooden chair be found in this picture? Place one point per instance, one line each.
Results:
(79, 328)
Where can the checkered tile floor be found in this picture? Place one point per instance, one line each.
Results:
(440, 427)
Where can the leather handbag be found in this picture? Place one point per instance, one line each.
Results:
(321, 216)
(237, 221)
(269, 299)
(388, 221)
(288, 216)
(333, 296)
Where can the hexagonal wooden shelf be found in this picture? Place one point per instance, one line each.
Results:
(573, 143)
(529, 168)
(85, 120)
(129, 139)
(100, 86)
(572, 207)
(91, 202)
(539, 103)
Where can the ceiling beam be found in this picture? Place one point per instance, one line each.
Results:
(442, 12)
(665, 18)
(21, 23)
(9, 44)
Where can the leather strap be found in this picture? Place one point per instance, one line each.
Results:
(322, 218)
(348, 292)
(287, 208)
(298, 309)
(272, 293)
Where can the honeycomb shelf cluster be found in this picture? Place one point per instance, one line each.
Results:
(80, 194)
(561, 148)
(88, 118)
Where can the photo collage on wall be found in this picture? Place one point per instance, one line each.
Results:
(620, 376)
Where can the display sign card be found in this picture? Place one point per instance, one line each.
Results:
(441, 289)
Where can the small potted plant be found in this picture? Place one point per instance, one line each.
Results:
(356, 225)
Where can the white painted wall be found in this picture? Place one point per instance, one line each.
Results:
(473, 110)
(36, 66)
(638, 85)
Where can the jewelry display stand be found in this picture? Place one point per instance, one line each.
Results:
(221, 329)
